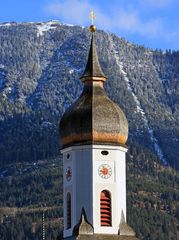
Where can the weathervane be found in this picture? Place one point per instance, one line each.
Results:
(92, 17)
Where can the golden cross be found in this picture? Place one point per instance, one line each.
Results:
(92, 16)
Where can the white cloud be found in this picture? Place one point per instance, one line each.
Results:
(76, 11)
(131, 22)
(116, 19)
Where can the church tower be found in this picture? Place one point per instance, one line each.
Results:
(94, 131)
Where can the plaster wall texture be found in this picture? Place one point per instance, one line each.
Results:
(86, 184)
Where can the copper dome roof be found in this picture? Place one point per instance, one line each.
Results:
(93, 118)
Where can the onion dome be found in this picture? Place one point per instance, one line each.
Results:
(93, 118)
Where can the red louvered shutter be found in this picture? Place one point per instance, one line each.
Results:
(105, 208)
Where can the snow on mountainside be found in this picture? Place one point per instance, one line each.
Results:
(40, 65)
(44, 27)
(138, 105)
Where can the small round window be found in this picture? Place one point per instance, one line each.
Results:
(104, 152)
(68, 155)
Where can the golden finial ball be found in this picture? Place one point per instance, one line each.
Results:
(92, 28)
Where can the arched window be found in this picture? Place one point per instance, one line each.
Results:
(68, 210)
(105, 208)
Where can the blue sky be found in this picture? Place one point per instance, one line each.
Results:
(152, 23)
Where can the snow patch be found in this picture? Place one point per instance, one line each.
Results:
(2, 66)
(44, 27)
(139, 109)
(9, 89)
(71, 71)
(46, 124)
(5, 25)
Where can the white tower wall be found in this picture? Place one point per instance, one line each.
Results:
(86, 184)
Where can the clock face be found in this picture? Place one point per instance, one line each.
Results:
(68, 173)
(105, 171)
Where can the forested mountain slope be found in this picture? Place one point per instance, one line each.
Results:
(27, 190)
(40, 65)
